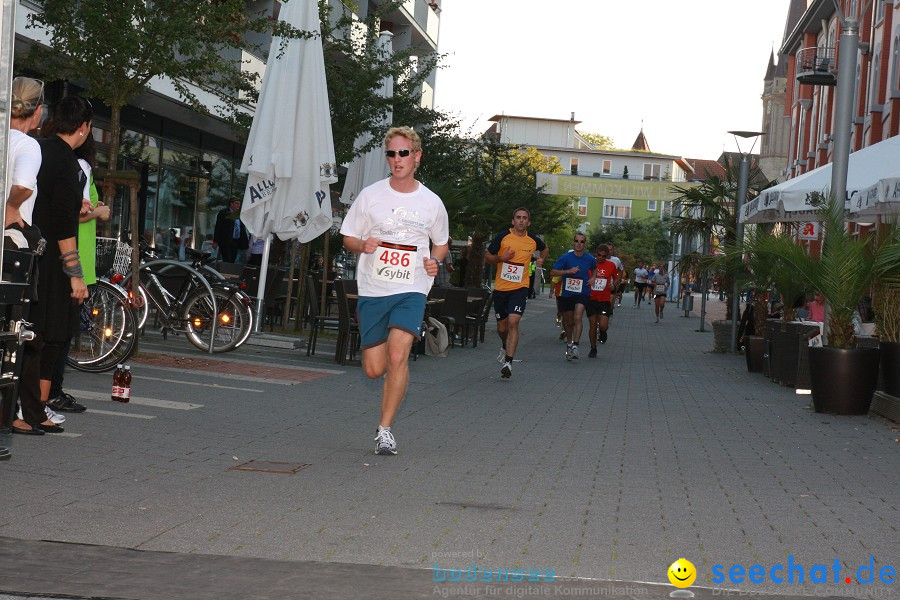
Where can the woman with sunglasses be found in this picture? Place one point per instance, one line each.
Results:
(61, 288)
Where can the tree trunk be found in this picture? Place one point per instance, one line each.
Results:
(475, 269)
(760, 313)
(115, 136)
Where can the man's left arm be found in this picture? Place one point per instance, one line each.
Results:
(438, 253)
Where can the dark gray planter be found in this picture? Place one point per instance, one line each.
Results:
(843, 379)
(756, 345)
(890, 367)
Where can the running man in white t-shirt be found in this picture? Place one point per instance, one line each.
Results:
(390, 226)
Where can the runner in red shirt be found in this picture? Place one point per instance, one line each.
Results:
(600, 307)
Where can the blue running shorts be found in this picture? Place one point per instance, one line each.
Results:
(379, 314)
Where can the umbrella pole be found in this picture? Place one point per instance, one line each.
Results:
(323, 306)
(261, 290)
(290, 287)
(301, 282)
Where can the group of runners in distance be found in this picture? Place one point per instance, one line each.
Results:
(400, 229)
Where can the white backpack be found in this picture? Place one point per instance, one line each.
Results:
(436, 339)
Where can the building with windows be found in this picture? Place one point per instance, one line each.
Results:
(606, 185)
(189, 162)
(812, 51)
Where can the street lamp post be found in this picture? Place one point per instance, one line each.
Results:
(843, 103)
(743, 183)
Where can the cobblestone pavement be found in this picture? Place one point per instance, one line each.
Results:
(603, 470)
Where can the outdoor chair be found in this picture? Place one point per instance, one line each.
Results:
(454, 315)
(316, 321)
(348, 327)
(478, 313)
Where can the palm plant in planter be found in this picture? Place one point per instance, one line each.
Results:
(843, 376)
(887, 316)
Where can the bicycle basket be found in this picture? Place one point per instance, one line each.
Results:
(122, 260)
(106, 252)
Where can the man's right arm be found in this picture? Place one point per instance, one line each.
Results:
(360, 246)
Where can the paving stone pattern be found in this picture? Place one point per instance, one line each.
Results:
(607, 469)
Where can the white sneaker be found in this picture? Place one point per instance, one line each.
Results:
(501, 358)
(57, 418)
(385, 444)
(575, 351)
(568, 352)
(506, 369)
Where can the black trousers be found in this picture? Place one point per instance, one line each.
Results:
(38, 363)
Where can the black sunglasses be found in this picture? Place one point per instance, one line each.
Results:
(580, 241)
(392, 153)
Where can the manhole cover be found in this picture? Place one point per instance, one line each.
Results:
(262, 466)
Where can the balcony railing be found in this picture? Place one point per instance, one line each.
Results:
(817, 66)
(584, 173)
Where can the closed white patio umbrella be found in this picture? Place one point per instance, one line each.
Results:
(371, 166)
(290, 152)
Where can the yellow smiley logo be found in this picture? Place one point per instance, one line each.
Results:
(682, 573)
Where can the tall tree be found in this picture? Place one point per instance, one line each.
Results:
(708, 211)
(599, 141)
(647, 239)
(116, 47)
(355, 68)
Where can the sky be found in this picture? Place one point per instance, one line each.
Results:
(690, 70)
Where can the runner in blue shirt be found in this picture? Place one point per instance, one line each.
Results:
(576, 269)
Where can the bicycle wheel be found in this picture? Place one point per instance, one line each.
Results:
(107, 332)
(232, 324)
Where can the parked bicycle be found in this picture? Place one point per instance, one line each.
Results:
(108, 325)
(181, 300)
(179, 294)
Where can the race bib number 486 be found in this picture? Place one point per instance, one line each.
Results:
(395, 263)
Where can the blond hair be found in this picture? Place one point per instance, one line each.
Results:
(405, 132)
(27, 94)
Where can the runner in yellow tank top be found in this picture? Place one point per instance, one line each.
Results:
(512, 251)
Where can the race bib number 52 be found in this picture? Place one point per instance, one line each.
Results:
(395, 263)
(512, 272)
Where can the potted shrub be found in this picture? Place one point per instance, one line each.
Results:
(843, 376)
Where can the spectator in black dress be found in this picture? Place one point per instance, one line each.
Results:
(61, 288)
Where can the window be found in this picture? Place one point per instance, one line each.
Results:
(651, 205)
(617, 209)
(607, 167)
(582, 206)
(573, 166)
(666, 210)
(651, 172)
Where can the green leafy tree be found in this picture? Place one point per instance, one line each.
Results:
(600, 142)
(635, 240)
(115, 47)
(483, 183)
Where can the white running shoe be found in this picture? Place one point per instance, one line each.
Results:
(501, 358)
(575, 351)
(506, 369)
(568, 352)
(385, 444)
(57, 418)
